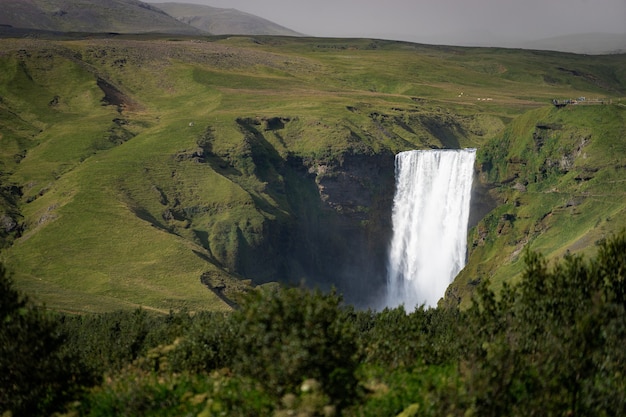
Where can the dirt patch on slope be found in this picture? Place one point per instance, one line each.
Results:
(114, 97)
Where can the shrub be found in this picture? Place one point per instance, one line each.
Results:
(133, 392)
(109, 341)
(35, 377)
(291, 335)
(425, 336)
(208, 344)
(553, 345)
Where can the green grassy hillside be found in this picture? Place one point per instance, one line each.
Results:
(559, 175)
(132, 167)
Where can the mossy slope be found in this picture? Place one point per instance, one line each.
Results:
(559, 175)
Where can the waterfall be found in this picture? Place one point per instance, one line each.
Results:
(430, 215)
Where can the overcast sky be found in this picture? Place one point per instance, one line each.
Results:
(429, 20)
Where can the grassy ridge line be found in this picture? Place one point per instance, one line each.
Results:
(96, 230)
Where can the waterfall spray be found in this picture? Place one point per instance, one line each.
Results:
(430, 215)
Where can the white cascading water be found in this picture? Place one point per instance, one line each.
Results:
(430, 217)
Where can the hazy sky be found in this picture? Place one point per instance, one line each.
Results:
(426, 20)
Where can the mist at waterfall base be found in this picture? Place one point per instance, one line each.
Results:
(430, 217)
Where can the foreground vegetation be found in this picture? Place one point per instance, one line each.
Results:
(551, 345)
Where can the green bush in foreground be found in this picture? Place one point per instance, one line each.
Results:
(134, 392)
(36, 378)
(399, 339)
(292, 335)
(551, 345)
(209, 344)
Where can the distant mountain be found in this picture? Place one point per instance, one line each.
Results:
(220, 21)
(579, 43)
(583, 43)
(122, 16)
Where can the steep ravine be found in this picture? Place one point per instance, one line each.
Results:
(316, 219)
(321, 222)
(136, 169)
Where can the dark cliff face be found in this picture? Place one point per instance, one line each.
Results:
(483, 200)
(320, 221)
(343, 237)
(338, 229)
